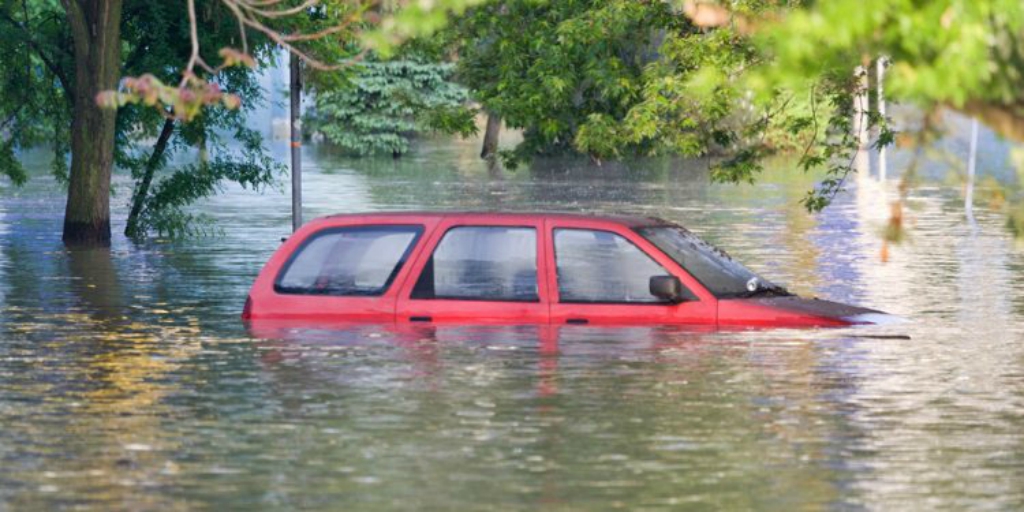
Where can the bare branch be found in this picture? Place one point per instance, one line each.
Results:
(194, 58)
(295, 38)
(278, 13)
(264, 3)
(194, 92)
(249, 16)
(241, 24)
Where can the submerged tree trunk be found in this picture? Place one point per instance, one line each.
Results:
(490, 148)
(96, 31)
(134, 229)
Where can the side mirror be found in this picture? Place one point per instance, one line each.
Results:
(667, 288)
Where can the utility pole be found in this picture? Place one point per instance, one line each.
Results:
(972, 159)
(295, 69)
(862, 161)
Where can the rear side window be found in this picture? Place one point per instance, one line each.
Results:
(603, 267)
(482, 263)
(356, 261)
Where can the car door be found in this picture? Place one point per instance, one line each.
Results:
(479, 271)
(599, 273)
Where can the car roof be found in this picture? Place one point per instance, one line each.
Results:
(477, 216)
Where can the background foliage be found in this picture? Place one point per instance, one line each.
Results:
(551, 68)
(613, 78)
(964, 55)
(387, 102)
(214, 146)
(34, 93)
(733, 82)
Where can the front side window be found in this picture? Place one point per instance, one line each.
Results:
(351, 261)
(603, 267)
(482, 263)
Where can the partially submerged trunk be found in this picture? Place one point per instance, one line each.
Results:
(490, 148)
(133, 229)
(96, 31)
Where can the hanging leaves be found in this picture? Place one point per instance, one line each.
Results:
(183, 102)
(309, 29)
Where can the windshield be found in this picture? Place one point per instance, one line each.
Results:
(716, 270)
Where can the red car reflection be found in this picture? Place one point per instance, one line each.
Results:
(503, 268)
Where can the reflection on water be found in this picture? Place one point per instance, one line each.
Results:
(128, 381)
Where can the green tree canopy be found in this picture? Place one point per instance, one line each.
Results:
(387, 102)
(550, 68)
(963, 54)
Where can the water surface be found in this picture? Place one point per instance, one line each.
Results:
(127, 379)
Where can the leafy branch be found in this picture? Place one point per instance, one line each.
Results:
(290, 24)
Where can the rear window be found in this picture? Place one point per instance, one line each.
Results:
(492, 263)
(351, 261)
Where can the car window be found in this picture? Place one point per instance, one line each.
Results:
(482, 263)
(712, 267)
(603, 267)
(354, 261)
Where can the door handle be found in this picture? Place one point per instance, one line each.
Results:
(421, 319)
(577, 321)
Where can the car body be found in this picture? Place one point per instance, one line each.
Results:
(521, 268)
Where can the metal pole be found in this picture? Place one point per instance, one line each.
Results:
(296, 142)
(881, 112)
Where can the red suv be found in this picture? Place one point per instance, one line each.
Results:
(515, 268)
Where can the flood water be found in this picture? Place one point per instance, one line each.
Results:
(128, 381)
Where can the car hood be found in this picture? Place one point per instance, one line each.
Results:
(797, 312)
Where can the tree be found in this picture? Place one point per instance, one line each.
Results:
(686, 103)
(550, 67)
(388, 102)
(615, 78)
(32, 87)
(86, 79)
(156, 37)
(95, 27)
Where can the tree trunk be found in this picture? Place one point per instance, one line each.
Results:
(96, 31)
(490, 148)
(133, 229)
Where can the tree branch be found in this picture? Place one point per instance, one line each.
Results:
(249, 12)
(248, 6)
(194, 58)
(1006, 120)
(134, 228)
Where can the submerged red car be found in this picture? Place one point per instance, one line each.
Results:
(516, 268)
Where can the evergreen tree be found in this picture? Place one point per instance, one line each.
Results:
(387, 103)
